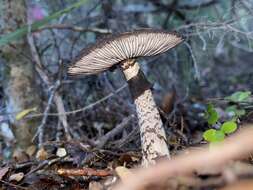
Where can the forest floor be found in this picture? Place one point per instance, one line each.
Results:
(104, 162)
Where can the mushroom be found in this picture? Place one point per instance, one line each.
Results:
(124, 49)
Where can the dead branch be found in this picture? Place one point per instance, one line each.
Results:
(74, 28)
(84, 172)
(40, 130)
(57, 98)
(13, 185)
(84, 108)
(198, 5)
(104, 139)
(235, 147)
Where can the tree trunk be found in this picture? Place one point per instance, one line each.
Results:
(20, 89)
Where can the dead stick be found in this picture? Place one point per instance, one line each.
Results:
(116, 130)
(57, 98)
(84, 172)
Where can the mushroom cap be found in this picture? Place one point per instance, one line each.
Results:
(112, 50)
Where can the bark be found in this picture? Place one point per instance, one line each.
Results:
(20, 89)
(153, 137)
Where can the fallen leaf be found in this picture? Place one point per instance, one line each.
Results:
(20, 155)
(25, 112)
(17, 177)
(31, 150)
(61, 152)
(3, 172)
(42, 154)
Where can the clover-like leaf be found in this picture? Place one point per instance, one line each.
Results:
(219, 136)
(240, 96)
(228, 127)
(234, 111)
(212, 115)
(212, 135)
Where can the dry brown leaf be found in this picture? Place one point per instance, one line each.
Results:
(31, 150)
(20, 155)
(42, 154)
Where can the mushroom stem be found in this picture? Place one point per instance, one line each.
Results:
(153, 137)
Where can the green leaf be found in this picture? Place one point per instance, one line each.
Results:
(239, 96)
(240, 112)
(210, 107)
(209, 135)
(219, 136)
(212, 115)
(235, 111)
(228, 127)
(23, 113)
(213, 118)
(21, 32)
(212, 135)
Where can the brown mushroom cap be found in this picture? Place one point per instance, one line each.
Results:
(110, 51)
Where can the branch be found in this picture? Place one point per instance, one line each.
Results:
(84, 108)
(198, 5)
(104, 139)
(57, 98)
(83, 172)
(74, 28)
(40, 130)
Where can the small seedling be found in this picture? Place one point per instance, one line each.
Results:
(215, 136)
(218, 135)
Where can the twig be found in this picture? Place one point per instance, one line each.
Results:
(62, 117)
(74, 28)
(13, 185)
(103, 140)
(128, 138)
(195, 65)
(198, 5)
(77, 110)
(234, 147)
(122, 101)
(44, 164)
(84, 172)
(84, 108)
(40, 130)
(57, 98)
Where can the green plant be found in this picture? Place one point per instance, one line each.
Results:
(227, 127)
(239, 96)
(218, 135)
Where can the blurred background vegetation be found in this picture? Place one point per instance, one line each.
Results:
(39, 40)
